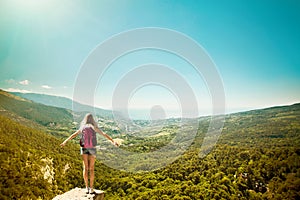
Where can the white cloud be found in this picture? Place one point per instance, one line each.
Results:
(17, 90)
(25, 82)
(46, 87)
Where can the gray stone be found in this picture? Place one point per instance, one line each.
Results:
(80, 194)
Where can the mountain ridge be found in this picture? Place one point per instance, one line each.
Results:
(63, 102)
(40, 113)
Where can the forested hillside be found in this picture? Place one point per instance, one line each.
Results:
(40, 113)
(270, 127)
(32, 163)
(53, 120)
(256, 157)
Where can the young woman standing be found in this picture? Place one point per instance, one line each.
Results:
(88, 142)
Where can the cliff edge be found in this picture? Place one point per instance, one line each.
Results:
(79, 194)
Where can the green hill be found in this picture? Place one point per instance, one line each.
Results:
(63, 102)
(256, 157)
(32, 164)
(54, 120)
(42, 114)
(270, 127)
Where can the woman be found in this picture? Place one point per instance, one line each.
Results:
(88, 130)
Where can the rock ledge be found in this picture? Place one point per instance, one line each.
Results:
(79, 194)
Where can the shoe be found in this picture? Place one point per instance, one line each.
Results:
(86, 190)
(92, 191)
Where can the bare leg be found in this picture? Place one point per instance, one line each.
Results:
(92, 159)
(85, 169)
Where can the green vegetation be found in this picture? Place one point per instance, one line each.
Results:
(226, 173)
(256, 157)
(32, 163)
(53, 120)
(42, 114)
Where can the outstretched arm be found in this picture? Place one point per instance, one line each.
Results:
(70, 138)
(105, 135)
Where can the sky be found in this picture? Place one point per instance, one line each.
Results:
(254, 45)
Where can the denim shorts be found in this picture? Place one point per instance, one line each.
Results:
(88, 151)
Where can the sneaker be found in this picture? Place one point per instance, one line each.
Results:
(92, 191)
(86, 190)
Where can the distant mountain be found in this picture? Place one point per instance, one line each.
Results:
(49, 100)
(39, 113)
(63, 102)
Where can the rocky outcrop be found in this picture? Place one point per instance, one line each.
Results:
(80, 194)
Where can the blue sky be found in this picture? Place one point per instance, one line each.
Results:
(254, 44)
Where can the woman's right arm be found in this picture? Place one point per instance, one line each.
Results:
(105, 135)
(70, 138)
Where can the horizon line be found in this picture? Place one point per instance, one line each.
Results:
(227, 111)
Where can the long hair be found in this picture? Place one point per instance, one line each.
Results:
(88, 119)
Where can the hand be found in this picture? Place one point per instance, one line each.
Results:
(63, 144)
(116, 143)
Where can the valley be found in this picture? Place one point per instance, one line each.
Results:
(257, 155)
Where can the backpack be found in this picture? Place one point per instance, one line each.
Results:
(88, 137)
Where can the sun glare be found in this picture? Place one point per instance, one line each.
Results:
(32, 6)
